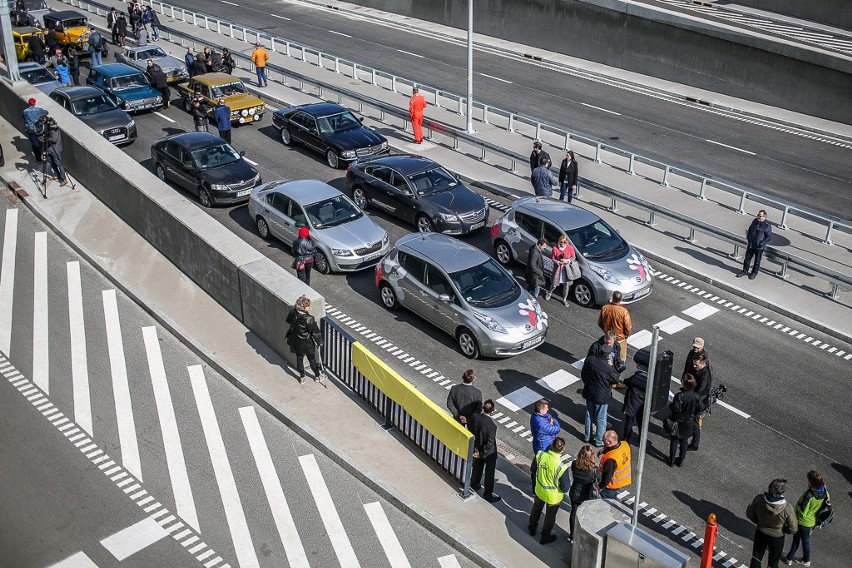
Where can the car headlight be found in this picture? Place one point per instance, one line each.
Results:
(342, 252)
(384, 145)
(252, 111)
(347, 154)
(603, 273)
(131, 124)
(159, 100)
(489, 322)
(244, 112)
(124, 104)
(447, 217)
(217, 187)
(385, 239)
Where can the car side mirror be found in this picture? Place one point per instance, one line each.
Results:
(361, 119)
(445, 298)
(242, 153)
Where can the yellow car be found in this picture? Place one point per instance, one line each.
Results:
(245, 107)
(21, 37)
(72, 28)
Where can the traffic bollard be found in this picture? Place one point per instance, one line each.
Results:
(709, 541)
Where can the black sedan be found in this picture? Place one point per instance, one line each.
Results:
(417, 190)
(98, 111)
(205, 165)
(329, 129)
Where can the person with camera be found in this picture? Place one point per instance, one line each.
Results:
(51, 140)
(703, 379)
(199, 115)
(31, 115)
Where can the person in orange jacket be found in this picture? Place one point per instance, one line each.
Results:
(416, 106)
(259, 57)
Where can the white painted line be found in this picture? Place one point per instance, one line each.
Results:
(252, 162)
(641, 339)
(296, 556)
(519, 399)
(731, 147)
(328, 512)
(578, 364)
(41, 354)
(234, 513)
(449, 561)
(134, 538)
(76, 560)
(511, 424)
(279, 17)
(7, 279)
(184, 502)
(229, 3)
(409, 53)
(673, 325)
(121, 387)
(601, 109)
(495, 78)
(557, 380)
(387, 538)
(732, 409)
(161, 115)
(79, 361)
(700, 311)
(338, 33)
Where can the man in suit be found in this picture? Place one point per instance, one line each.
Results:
(484, 431)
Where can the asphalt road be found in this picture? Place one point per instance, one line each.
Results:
(801, 169)
(791, 389)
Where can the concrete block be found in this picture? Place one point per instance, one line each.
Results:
(594, 518)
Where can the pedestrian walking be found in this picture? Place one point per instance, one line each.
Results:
(31, 115)
(568, 177)
(259, 57)
(51, 139)
(111, 20)
(544, 429)
(583, 476)
(74, 64)
(758, 236)
(615, 317)
(155, 24)
(683, 408)
(416, 107)
(543, 180)
(563, 273)
(96, 46)
(703, 379)
(484, 432)
(304, 337)
(121, 29)
(535, 267)
(774, 518)
(222, 117)
(199, 116)
(537, 155)
(551, 484)
(806, 515)
(304, 252)
(464, 399)
(599, 378)
(634, 404)
(614, 469)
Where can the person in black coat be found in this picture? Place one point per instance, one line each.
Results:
(683, 408)
(36, 48)
(599, 378)
(703, 382)
(74, 64)
(535, 267)
(583, 477)
(303, 337)
(568, 177)
(634, 403)
(304, 253)
(228, 63)
(464, 399)
(758, 236)
(51, 40)
(537, 156)
(484, 432)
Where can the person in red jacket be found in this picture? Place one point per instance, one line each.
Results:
(416, 106)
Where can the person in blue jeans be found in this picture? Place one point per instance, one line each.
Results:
(599, 378)
(806, 511)
(95, 47)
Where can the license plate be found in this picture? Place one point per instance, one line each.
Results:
(477, 226)
(643, 292)
(116, 137)
(373, 256)
(243, 192)
(531, 342)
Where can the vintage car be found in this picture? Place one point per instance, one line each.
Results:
(72, 28)
(245, 107)
(21, 37)
(39, 77)
(174, 68)
(31, 15)
(128, 87)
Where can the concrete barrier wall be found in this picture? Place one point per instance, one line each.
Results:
(837, 13)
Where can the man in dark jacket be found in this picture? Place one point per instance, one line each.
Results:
(758, 235)
(222, 118)
(51, 39)
(703, 380)
(36, 48)
(535, 267)
(484, 432)
(774, 518)
(543, 180)
(634, 403)
(599, 377)
(568, 177)
(111, 20)
(537, 155)
(199, 116)
(697, 347)
(303, 338)
(464, 399)
(614, 357)
(160, 82)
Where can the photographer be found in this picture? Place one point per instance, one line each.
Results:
(200, 115)
(51, 140)
(31, 115)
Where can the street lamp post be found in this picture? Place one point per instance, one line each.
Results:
(646, 419)
(8, 44)
(470, 129)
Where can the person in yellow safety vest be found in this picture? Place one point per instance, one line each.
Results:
(614, 467)
(551, 485)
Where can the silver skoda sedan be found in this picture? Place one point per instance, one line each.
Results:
(464, 292)
(345, 238)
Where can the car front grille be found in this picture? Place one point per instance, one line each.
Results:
(248, 184)
(474, 216)
(116, 132)
(150, 101)
(368, 151)
(376, 246)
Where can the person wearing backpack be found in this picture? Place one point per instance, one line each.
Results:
(808, 508)
(96, 42)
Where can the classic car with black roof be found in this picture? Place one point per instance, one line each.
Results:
(127, 86)
(71, 27)
(98, 111)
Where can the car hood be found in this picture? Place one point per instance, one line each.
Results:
(459, 199)
(115, 118)
(355, 138)
(355, 234)
(630, 266)
(231, 173)
(48, 87)
(523, 315)
(168, 63)
(135, 93)
(243, 100)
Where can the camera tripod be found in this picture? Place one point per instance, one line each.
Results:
(43, 176)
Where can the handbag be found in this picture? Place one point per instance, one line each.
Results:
(572, 270)
(671, 427)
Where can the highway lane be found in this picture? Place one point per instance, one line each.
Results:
(800, 169)
(791, 388)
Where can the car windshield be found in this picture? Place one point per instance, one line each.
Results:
(228, 89)
(215, 156)
(129, 81)
(486, 285)
(150, 53)
(339, 122)
(597, 241)
(37, 76)
(32, 5)
(73, 23)
(435, 180)
(92, 105)
(332, 212)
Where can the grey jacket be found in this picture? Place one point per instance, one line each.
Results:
(773, 517)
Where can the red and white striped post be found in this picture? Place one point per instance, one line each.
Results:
(709, 541)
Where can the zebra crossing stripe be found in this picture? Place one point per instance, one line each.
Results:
(79, 361)
(7, 279)
(387, 537)
(41, 355)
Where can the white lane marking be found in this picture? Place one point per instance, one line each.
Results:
(579, 363)
(387, 538)
(641, 339)
(134, 538)
(328, 512)
(409, 53)
(557, 380)
(161, 115)
(673, 325)
(79, 359)
(338, 33)
(76, 560)
(279, 17)
(700, 311)
(495, 78)
(731, 147)
(250, 161)
(601, 109)
(732, 409)
(7, 278)
(229, 3)
(121, 387)
(519, 399)
(41, 354)
(234, 513)
(449, 561)
(296, 557)
(184, 502)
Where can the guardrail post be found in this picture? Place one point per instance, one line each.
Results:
(827, 240)
(206, 23)
(630, 167)
(666, 177)
(460, 112)
(513, 167)
(194, 20)
(652, 219)
(301, 85)
(304, 54)
(218, 26)
(287, 50)
(701, 195)
(485, 114)
(598, 153)
(183, 14)
(319, 59)
(393, 84)
(538, 131)
(466, 493)
(231, 27)
(691, 237)
(736, 254)
(245, 37)
(337, 65)
(741, 209)
(354, 70)
(272, 43)
(783, 274)
(577, 191)
(783, 223)
(382, 115)
(614, 206)
(319, 94)
(482, 156)
(511, 122)
(437, 98)
(833, 293)
(387, 411)
(373, 76)
(567, 141)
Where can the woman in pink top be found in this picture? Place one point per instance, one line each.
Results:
(562, 254)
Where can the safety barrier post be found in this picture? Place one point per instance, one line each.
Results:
(709, 542)
(630, 167)
(614, 206)
(354, 70)
(206, 23)
(783, 223)
(741, 209)
(319, 59)
(485, 114)
(666, 177)
(393, 85)
(437, 98)
(691, 237)
(337, 65)
(701, 195)
(538, 131)
(373, 76)
(827, 240)
(567, 141)
(466, 493)
(783, 274)
(511, 122)
(231, 28)
(272, 43)
(652, 219)
(460, 111)
(218, 26)
(598, 153)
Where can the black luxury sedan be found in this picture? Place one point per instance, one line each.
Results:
(329, 129)
(417, 190)
(98, 111)
(206, 165)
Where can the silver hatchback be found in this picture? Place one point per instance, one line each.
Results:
(607, 262)
(464, 292)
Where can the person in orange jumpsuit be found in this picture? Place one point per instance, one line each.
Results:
(416, 106)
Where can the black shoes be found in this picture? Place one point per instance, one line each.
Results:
(532, 529)
(752, 276)
(548, 539)
(693, 447)
(741, 274)
(493, 498)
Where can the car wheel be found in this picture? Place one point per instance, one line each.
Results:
(285, 136)
(584, 294)
(467, 343)
(424, 224)
(262, 228)
(204, 197)
(388, 296)
(187, 104)
(332, 159)
(321, 263)
(503, 252)
(359, 197)
(161, 172)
